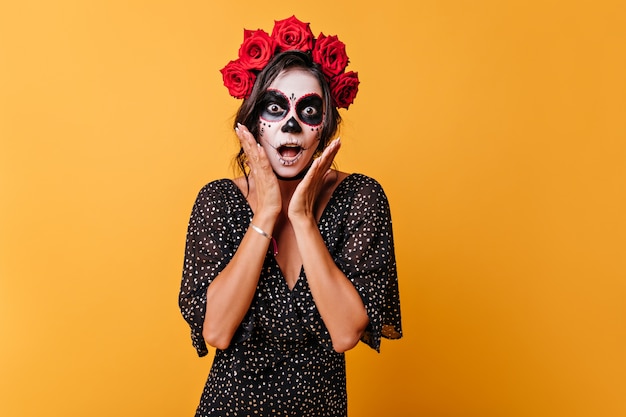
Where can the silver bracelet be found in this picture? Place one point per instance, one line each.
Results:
(261, 231)
(264, 233)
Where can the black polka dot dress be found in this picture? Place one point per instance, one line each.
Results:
(281, 361)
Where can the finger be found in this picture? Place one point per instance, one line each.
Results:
(327, 157)
(248, 143)
(244, 135)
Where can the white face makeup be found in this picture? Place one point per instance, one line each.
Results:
(291, 117)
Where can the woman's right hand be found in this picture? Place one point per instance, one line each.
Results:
(264, 181)
(230, 294)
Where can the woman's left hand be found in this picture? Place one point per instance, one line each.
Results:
(303, 201)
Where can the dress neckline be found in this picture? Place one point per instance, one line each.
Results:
(330, 202)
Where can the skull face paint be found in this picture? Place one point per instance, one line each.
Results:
(308, 108)
(291, 114)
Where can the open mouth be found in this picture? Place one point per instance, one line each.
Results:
(289, 154)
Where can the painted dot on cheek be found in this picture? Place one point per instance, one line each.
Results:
(262, 126)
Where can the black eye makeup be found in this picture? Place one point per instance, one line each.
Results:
(275, 106)
(310, 109)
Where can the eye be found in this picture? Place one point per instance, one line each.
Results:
(274, 106)
(274, 109)
(310, 109)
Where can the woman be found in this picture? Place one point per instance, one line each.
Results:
(292, 263)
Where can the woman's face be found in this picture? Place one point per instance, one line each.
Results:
(290, 121)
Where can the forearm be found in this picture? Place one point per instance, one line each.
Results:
(337, 301)
(230, 294)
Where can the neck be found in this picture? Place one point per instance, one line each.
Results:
(288, 184)
(287, 188)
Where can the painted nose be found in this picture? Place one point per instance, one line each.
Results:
(292, 126)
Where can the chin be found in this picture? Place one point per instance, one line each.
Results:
(294, 171)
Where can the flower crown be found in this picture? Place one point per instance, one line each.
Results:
(258, 49)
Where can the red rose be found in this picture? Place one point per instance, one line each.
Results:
(292, 34)
(343, 88)
(256, 50)
(238, 79)
(330, 53)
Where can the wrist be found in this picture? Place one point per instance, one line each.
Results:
(265, 219)
(267, 236)
(302, 222)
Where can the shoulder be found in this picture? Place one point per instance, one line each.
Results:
(217, 189)
(360, 196)
(217, 186)
(363, 185)
(215, 193)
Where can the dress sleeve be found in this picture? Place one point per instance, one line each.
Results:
(206, 254)
(367, 257)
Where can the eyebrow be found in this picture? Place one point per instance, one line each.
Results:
(276, 94)
(308, 96)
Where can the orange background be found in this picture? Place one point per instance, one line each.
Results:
(496, 127)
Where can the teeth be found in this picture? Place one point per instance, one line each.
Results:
(289, 160)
